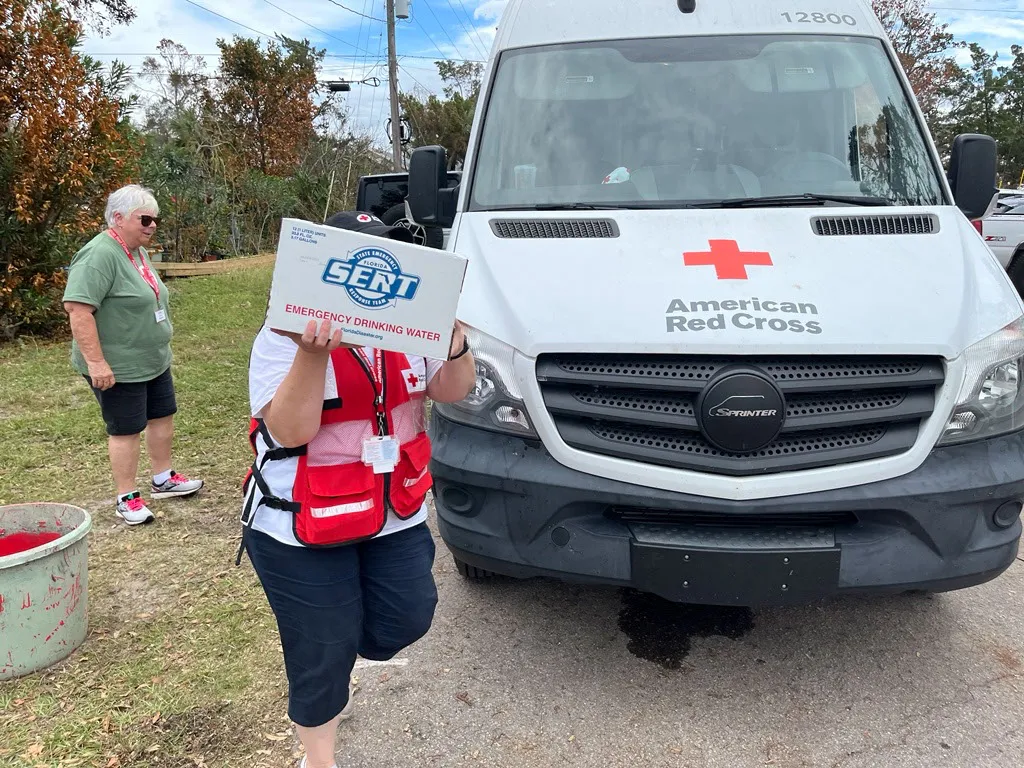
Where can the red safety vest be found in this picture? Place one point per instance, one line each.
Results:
(337, 499)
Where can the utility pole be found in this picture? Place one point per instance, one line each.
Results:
(396, 126)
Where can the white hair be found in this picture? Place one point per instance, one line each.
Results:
(129, 199)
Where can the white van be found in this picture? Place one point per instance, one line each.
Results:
(738, 341)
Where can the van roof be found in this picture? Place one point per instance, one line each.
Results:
(544, 22)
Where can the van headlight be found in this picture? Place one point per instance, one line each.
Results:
(991, 399)
(496, 402)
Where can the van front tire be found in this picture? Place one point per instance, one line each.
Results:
(472, 573)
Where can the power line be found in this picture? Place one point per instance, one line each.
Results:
(349, 72)
(351, 10)
(443, 29)
(359, 41)
(431, 39)
(377, 114)
(421, 85)
(975, 10)
(469, 36)
(326, 55)
(203, 7)
(322, 32)
(478, 43)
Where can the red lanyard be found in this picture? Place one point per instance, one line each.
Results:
(376, 369)
(142, 269)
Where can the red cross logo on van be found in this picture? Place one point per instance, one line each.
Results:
(729, 261)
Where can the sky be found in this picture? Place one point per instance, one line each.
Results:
(351, 31)
(354, 37)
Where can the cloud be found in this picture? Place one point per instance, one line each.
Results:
(198, 29)
(490, 10)
(996, 27)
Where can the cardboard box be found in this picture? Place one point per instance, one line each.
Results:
(382, 293)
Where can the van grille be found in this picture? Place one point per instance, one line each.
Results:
(833, 226)
(642, 408)
(643, 516)
(554, 228)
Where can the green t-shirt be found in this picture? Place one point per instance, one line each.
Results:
(135, 345)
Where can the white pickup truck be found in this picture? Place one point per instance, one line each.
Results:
(1003, 230)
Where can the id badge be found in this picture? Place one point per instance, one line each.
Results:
(161, 315)
(381, 453)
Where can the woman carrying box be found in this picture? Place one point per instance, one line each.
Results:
(335, 513)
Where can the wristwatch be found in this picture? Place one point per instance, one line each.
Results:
(464, 350)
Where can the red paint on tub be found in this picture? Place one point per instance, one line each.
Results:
(73, 595)
(49, 636)
(23, 542)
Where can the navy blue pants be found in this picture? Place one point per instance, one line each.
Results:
(371, 598)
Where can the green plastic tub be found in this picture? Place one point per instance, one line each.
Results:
(44, 585)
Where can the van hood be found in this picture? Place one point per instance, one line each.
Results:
(722, 281)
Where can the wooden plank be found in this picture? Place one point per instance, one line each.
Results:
(201, 268)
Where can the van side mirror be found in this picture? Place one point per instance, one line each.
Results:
(972, 174)
(431, 201)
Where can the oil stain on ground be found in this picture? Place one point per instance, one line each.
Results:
(662, 631)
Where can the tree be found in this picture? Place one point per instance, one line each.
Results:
(1011, 144)
(96, 12)
(448, 121)
(180, 80)
(222, 171)
(182, 162)
(925, 49)
(268, 97)
(976, 94)
(988, 98)
(65, 145)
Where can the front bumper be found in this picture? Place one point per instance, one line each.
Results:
(504, 505)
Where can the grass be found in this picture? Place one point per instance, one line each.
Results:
(181, 666)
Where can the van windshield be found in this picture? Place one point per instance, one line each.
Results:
(668, 122)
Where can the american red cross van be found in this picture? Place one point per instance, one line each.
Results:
(737, 339)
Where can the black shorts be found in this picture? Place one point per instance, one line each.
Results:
(128, 407)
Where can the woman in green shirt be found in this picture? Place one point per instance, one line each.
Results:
(121, 328)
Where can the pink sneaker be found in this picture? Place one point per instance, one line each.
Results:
(176, 485)
(133, 510)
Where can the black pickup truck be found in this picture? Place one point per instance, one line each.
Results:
(384, 195)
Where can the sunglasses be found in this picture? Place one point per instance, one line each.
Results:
(149, 220)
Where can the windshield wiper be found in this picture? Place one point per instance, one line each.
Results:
(576, 207)
(807, 198)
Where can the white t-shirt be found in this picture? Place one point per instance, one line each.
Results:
(272, 356)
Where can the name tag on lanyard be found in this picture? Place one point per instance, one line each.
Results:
(381, 451)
